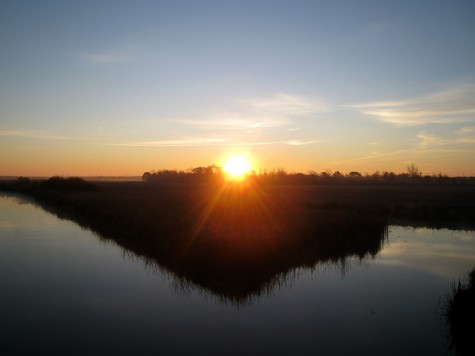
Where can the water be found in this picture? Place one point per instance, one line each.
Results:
(63, 290)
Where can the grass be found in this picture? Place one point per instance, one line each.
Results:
(460, 316)
(238, 240)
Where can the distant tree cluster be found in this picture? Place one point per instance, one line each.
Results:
(70, 184)
(202, 172)
(56, 183)
(213, 172)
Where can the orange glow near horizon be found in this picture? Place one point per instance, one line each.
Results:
(71, 158)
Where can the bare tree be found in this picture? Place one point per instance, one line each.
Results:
(413, 170)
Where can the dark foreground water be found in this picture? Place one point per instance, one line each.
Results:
(63, 290)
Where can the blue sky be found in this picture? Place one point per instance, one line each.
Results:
(120, 87)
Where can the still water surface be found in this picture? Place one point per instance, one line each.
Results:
(63, 290)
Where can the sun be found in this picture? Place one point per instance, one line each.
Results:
(237, 167)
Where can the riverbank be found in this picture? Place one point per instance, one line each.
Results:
(460, 313)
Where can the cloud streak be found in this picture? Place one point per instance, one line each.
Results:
(454, 104)
(286, 105)
(183, 142)
(427, 142)
(301, 142)
(255, 121)
(234, 122)
(466, 134)
(206, 142)
(33, 134)
(275, 111)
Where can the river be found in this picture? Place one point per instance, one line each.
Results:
(65, 290)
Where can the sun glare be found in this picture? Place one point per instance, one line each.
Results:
(237, 167)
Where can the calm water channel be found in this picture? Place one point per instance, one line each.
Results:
(63, 290)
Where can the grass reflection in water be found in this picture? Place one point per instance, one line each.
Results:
(239, 241)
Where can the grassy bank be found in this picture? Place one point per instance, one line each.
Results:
(460, 316)
(237, 240)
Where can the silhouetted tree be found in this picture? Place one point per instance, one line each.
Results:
(207, 171)
(413, 171)
(146, 176)
(389, 176)
(376, 175)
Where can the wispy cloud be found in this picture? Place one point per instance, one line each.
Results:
(255, 121)
(204, 142)
(301, 142)
(454, 104)
(467, 139)
(183, 142)
(466, 130)
(426, 143)
(34, 134)
(234, 122)
(286, 105)
(462, 136)
(466, 134)
(428, 140)
(374, 143)
(373, 157)
(278, 110)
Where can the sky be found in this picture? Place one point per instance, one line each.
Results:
(108, 88)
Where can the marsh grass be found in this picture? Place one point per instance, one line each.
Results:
(460, 315)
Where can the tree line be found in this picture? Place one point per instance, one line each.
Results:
(280, 175)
